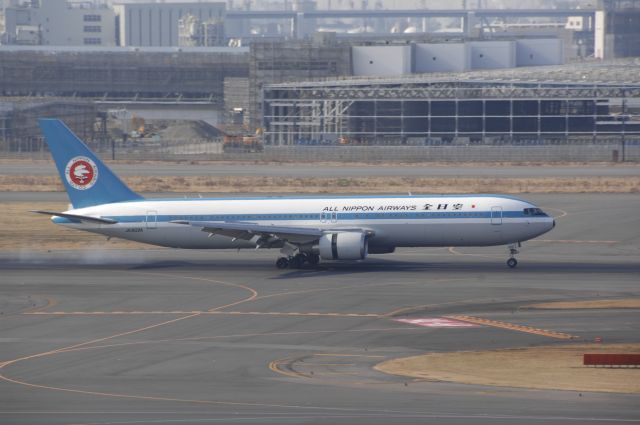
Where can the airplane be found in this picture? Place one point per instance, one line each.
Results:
(305, 229)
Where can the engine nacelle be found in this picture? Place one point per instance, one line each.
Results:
(343, 246)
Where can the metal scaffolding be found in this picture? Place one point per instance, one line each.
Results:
(160, 75)
(545, 103)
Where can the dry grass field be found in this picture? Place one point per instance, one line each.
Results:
(23, 230)
(552, 367)
(387, 185)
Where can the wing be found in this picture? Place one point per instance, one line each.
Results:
(262, 235)
(77, 217)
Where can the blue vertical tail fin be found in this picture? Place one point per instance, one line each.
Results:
(86, 178)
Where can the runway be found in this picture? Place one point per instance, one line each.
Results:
(174, 336)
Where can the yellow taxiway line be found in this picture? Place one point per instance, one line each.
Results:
(512, 326)
(199, 312)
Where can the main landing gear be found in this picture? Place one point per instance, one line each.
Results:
(512, 262)
(297, 261)
(282, 263)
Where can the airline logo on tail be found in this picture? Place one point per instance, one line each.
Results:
(81, 173)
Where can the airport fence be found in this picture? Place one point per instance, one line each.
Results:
(535, 151)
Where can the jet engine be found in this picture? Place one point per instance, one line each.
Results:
(343, 246)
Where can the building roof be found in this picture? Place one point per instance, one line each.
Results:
(620, 72)
(101, 49)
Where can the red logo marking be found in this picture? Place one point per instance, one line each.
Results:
(81, 173)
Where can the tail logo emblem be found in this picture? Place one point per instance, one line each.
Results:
(81, 173)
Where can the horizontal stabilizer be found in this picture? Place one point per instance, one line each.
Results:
(77, 217)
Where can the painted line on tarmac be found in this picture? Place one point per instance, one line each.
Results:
(513, 327)
(437, 322)
(573, 241)
(283, 367)
(453, 250)
(254, 293)
(563, 213)
(348, 355)
(50, 302)
(199, 312)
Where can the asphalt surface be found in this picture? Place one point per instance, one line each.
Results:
(172, 336)
(337, 170)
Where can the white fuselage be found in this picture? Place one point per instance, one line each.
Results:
(398, 221)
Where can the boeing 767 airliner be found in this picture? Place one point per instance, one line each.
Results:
(305, 229)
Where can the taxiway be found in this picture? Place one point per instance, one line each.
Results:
(174, 336)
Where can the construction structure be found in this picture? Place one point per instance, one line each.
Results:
(19, 131)
(121, 74)
(587, 100)
(617, 29)
(277, 61)
(194, 33)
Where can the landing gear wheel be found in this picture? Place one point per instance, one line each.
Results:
(512, 262)
(313, 259)
(297, 261)
(282, 263)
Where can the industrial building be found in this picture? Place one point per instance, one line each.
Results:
(325, 55)
(158, 24)
(58, 23)
(608, 28)
(264, 87)
(587, 100)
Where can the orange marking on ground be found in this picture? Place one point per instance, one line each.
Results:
(512, 326)
(573, 241)
(196, 312)
(82, 345)
(453, 250)
(254, 293)
(274, 366)
(50, 303)
(72, 347)
(347, 355)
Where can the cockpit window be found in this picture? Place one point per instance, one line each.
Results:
(534, 211)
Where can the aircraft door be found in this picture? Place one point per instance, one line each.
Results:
(152, 219)
(328, 217)
(496, 215)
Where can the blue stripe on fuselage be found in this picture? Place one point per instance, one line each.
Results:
(412, 215)
(336, 197)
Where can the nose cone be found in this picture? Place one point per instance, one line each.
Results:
(549, 224)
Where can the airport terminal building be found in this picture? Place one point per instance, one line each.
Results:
(586, 100)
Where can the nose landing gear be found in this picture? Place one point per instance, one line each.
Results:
(512, 262)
